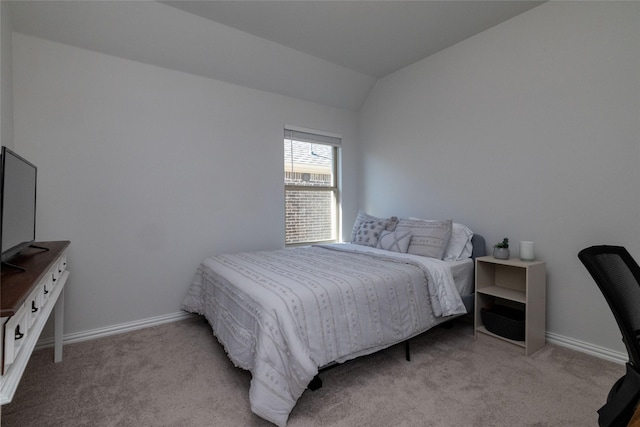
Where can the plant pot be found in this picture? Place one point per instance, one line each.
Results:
(501, 253)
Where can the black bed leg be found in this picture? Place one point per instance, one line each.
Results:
(315, 383)
(447, 325)
(407, 352)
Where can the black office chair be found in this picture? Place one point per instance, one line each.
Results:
(618, 276)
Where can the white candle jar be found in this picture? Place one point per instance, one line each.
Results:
(526, 251)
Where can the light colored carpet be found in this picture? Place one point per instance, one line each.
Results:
(177, 374)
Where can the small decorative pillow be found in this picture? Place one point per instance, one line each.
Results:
(394, 241)
(392, 223)
(369, 232)
(429, 238)
(389, 224)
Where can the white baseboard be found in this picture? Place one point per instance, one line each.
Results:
(588, 348)
(115, 329)
(577, 345)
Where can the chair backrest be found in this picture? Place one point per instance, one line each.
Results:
(618, 276)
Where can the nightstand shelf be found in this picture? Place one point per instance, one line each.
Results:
(505, 293)
(517, 284)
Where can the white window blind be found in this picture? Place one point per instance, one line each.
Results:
(307, 136)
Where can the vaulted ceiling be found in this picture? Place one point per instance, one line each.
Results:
(375, 38)
(331, 52)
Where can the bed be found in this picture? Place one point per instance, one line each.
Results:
(285, 314)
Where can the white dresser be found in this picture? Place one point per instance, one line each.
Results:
(27, 299)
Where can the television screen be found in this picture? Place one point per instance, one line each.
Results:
(18, 203)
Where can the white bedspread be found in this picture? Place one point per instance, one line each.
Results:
(282, 314)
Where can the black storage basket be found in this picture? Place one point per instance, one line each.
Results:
(504, 321)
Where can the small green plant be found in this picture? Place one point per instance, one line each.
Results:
(504, 244)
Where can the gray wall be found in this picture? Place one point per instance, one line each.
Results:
(6, 71)
(147, 170)
(529, 130)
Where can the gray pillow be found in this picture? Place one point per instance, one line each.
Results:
(389, 224)
(369, 232)
(395, 241)
(428, 237)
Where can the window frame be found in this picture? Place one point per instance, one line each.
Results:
(326, 139)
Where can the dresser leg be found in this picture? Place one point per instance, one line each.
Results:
(59, 327)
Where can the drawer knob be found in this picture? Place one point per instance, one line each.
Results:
(45, 290)
(19, 334)
(33, 307)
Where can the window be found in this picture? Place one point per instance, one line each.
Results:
(310, 186)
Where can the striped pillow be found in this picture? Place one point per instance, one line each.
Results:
(429, 237)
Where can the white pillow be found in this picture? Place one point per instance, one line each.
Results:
(460, 246)
(394, 241)
(429, 237)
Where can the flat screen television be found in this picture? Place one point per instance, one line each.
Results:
(18, 181)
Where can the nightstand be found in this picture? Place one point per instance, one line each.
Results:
(517, 284)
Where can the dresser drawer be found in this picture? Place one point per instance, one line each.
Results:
(62, 264)
(57, 269)
(46, 286)
(33, 306)
(15, 334)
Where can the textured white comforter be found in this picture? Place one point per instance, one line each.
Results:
(282, 314)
